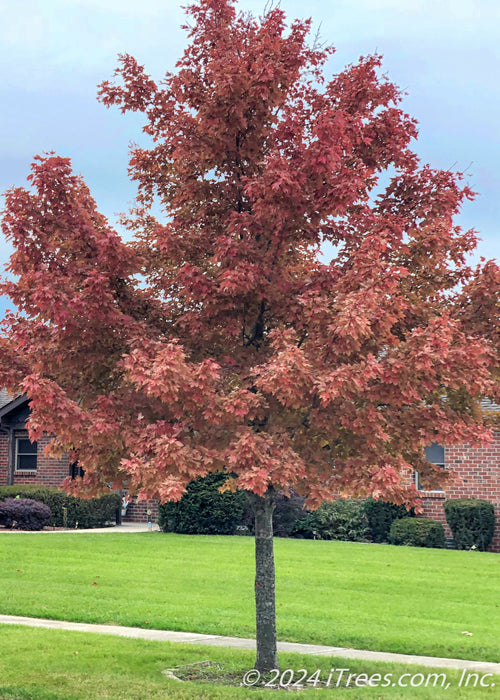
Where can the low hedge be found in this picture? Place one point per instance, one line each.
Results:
(417, 532)
(24, 514)
(381, 515)
(472, 522)
(80, 512)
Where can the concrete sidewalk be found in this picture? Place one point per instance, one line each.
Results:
(123, 528)
(241, 643)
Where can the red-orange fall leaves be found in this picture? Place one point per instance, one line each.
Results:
(218, 337)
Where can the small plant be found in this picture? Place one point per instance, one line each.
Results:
(472, 522)
(417, 532)
(24, 514)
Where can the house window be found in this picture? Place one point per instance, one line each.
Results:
(435, 455)
(26, 454)
(75, 470)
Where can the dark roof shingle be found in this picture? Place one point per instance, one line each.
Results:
(5, 397)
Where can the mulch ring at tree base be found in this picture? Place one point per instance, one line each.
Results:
(212, 672)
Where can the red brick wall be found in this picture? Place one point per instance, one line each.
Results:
(4, 458)
(49, 472)
(478, 476)
(137, 512)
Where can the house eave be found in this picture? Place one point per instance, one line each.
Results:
(12, 406)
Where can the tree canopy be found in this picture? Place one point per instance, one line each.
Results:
(220, 338)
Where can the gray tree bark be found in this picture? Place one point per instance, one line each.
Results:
(265, 592)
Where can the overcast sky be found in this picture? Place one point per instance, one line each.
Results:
(53, 53)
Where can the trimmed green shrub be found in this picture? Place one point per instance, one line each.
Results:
(80, 512)
(24, 514)
(472, 522)
(381, 515)
(92, 512)
(342, 519)
(203, 510)
(417, 532)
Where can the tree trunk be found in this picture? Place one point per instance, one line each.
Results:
(265, 604)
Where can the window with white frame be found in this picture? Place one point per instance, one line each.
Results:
(435, 455)
(25, 454)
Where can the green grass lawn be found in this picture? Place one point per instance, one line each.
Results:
(37, 664)
(357, 595)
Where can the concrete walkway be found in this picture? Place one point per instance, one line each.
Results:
(123, 528)
(241, 643)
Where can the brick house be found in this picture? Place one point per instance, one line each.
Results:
(478, 472)
(22, 462)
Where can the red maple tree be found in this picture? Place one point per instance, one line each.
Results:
(218, 339)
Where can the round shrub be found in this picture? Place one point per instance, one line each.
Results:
(203, 510)
(472, 522)
(24, 514)
(381, 515)
(342, 519)
(417, 532)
